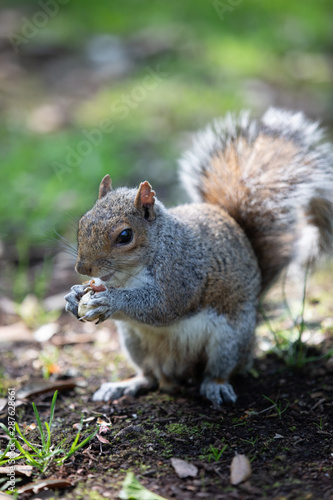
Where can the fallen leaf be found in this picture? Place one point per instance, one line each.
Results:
(20, 470)
(315, 395)
(51, 484)
(278, 436)
(17, 332)
(31, 427)
(100, 421)
(3, 496)
(240, 469)
(184, 469)
(88, 419)
(104, 429)
(43, 387)
(102, 439)
(133, 490)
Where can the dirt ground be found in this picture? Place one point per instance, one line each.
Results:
(282, 420)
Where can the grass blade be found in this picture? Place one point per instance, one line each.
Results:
(26, 441)
(28, 457)
(77, 435)
(48, 443)
(85, 441)
(3, 456)
(54, 399)
(5, 429)
(41, 430)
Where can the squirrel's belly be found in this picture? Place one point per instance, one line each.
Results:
(180, 351)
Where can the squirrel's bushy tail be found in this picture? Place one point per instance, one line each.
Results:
(274, 177)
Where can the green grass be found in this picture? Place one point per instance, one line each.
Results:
(133, 490)
(278, 405)
(289, 343)
(41, 455)
(216, 453)
(208, 64)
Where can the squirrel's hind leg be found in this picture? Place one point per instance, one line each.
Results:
(229, 350)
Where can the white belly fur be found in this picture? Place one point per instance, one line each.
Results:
(173, 351)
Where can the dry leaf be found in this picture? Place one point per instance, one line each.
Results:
(17, 332)
(102, 439)
(104, 429)
(100, 421)
(4, 496)
(184, 469)
(240, 469)
(30, 427)
(51, 484)
(20, 470)
(88, 419)
(44, 387)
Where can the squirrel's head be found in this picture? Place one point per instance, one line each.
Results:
(113, 236)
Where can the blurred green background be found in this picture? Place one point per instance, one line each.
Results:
(89, 88)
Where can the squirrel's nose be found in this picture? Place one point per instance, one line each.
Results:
(82, 268)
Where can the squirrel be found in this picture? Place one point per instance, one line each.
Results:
(183, 284)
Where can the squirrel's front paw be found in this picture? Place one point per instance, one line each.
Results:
(97, 306)
(73, 298)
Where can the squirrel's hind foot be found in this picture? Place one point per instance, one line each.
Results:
(218, 392)
(109, 391)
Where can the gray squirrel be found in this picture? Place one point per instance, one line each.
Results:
(183, 284)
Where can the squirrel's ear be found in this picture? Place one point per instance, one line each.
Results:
(144, 200)
(105, 186)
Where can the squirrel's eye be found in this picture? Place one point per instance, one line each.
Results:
(125, 237)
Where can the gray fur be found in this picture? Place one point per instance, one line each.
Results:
(185, 294)
(300, 186)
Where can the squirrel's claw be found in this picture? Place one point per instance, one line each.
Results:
(72, 304)
(78, 291)
(97, 313)
(73, 298)
(101, 299)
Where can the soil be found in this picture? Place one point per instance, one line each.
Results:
(282, 420)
